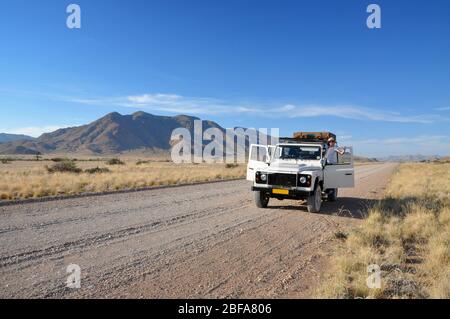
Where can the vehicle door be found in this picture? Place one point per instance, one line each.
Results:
(342, 174)
(258, 158)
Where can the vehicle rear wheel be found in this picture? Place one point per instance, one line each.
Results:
(261, 199)
(314, 201)
(333, 195)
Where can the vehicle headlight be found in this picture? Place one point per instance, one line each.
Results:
(261, 178)
(304, 180)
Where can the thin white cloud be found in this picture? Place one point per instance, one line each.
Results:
(355, 113)
(177, 104)
(35, 131)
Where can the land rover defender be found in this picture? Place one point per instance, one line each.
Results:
(296, 168)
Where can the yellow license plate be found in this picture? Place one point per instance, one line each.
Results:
(280, 191)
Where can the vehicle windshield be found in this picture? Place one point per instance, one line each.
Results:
(297, 152)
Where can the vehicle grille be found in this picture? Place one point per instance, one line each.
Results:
(289, 180)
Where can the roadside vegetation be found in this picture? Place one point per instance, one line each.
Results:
(407, 235)
(26, 178)
(66, 166)
(115, 161)
(5, 160)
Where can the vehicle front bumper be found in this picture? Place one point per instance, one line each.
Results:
(294, 193)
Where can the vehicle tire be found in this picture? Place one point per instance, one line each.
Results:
(314, 201)
(261, 199)
(333, 195)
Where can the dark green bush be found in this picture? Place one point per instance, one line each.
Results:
(140, 162)
(115, 161)
(66, 166)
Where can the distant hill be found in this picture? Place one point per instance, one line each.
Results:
(410, 158)
(362, 159)
(4, 137)
(111, 134)
(445, 159)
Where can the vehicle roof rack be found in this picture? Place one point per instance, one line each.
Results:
(300, 140)
(308, 137)
(324, 136)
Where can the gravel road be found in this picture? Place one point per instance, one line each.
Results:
(193, 241)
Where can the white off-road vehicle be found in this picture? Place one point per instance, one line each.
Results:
(296, 168)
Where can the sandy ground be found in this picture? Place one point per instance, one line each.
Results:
(194, 241)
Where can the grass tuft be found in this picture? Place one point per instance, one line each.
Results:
(97, 170)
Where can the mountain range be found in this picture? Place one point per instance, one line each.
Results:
(111, 134)
(4, 137)
(115, 133)
(410, 158)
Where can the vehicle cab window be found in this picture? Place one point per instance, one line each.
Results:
(298, 152)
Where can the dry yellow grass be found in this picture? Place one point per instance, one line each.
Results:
(407, 235)
(30, 179)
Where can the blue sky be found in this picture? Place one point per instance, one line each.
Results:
(293, 65)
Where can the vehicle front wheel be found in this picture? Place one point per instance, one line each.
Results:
(261, 199)
(332, 195)
(314, 201)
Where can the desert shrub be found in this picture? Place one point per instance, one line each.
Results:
(97, 170)
(231, 165)
(66, 166)
(115, 161)
(141, 162)
(59, 159)
(5, 160)
(341, 235)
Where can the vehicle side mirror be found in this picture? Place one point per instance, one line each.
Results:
(266, 159)
(323, 161)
